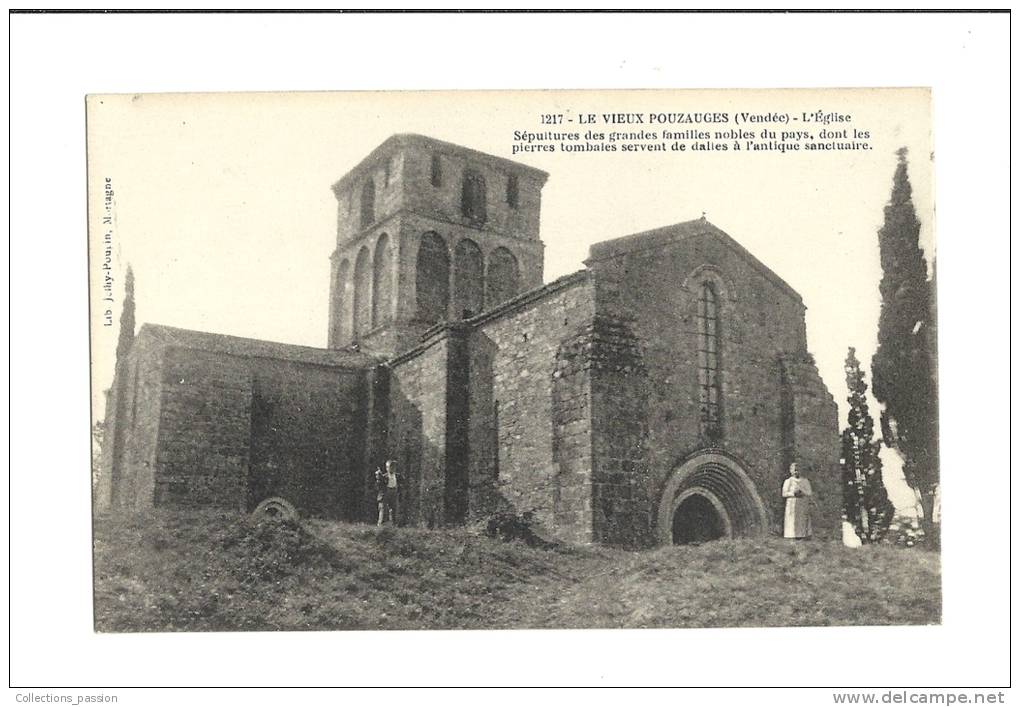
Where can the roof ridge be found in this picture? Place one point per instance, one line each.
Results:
(256, 348)
(617, 247)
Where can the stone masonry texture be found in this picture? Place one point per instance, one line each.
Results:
(577, 401)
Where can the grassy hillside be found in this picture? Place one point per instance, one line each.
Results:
(203, 571)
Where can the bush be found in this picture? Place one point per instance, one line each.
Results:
(508, 526)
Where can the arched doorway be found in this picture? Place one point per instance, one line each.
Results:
(698, 519)
(709, 496)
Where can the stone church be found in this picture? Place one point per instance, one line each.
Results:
(657, 395)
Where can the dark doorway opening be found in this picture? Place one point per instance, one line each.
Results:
(696, 520)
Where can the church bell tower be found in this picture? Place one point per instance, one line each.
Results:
(427, 232)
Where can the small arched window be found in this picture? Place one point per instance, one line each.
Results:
(368, 204)
(709, 369)
(472, 199)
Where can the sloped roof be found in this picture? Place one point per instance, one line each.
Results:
(252, 348)
(659, 237)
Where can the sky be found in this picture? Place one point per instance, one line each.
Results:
(222, 202)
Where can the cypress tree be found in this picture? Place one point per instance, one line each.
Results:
(865, 500)
(904, 366)
(125, 338)
(851, 485)
(127, 318)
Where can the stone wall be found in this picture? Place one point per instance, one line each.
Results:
(204, 430)
(812, 416)
(417, 430)
(353, 294)
(620, 388)
(373, 287)
(652, 282)
(578, 400)
(528, 254)
(373, 425)
(583, 399)
(401, 175)
(529, 441)
(217, 421)
(305, 438)
(234, 431)
(571, 411)
(443, 201)
(387, 175)
(364, 281)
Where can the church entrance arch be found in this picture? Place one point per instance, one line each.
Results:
(699, 517)
(709, 496)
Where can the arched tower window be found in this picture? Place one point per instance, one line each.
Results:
(468, 287)
(472, 197)
(341, 332)
(709, 370)
(362, 293)
(368, 204)
(432, 271)
(502, 278)
(382, 279)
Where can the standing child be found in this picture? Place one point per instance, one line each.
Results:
(381, 483)
(391, 494)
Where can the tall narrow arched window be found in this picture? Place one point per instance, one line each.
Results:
(468, 289)
(341, 332)
(432, 278)
(368, 204)
(709, 370)
(362, 293)
(381, 282)
(472, 196)
(502, 277)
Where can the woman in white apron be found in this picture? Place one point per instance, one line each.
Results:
(797, 492)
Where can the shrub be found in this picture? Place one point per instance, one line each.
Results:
(508, 526)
